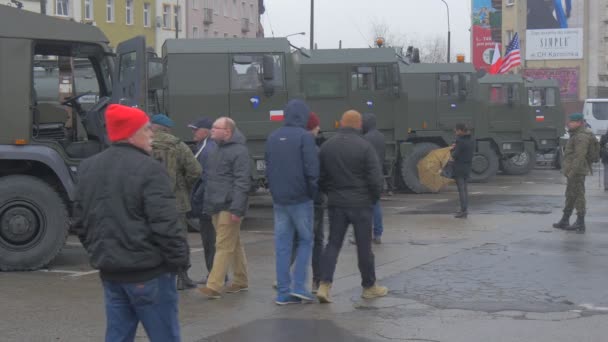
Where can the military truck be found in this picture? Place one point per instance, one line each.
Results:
(43, 139)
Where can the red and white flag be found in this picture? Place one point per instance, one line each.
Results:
(512, 56)
(496, 61)
(276, 115)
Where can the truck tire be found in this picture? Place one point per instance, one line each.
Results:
(34, 223)
(409, 167)
(484, 167)
(520, 164)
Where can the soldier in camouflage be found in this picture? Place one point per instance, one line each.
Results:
(576, 167)
(184, 171)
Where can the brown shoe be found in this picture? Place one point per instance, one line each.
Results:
(210, 293)
(374, 291)
(323, 293)
(234, 288)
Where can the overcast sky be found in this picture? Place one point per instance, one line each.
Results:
(351, 21)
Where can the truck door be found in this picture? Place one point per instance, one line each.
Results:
(131, 74)
(257, 98)
(371, 91)
(455, 101)
(504, 107)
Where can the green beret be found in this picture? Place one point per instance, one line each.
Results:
(576, 117)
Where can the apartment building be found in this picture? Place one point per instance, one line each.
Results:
(170, 21)
(224, 18)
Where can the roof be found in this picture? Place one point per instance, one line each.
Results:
(433, 68)
(17, 23)
(596, 100)
(350, 56)
(511, 78)
(226, 45)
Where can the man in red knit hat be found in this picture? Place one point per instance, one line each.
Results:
(126, 218)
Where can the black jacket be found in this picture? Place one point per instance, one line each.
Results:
(228, 177)
(374, 136)
(604, 148)
(351, 175)
(463, 156)
(126, 216)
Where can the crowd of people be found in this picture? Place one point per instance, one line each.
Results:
(132, 201)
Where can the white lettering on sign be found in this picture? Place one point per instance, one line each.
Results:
(554, 44)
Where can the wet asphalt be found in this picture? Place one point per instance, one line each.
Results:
(501, 275)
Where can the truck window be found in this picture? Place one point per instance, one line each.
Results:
(247, 72)
(382, 79)
(536, 97)
(324, 85)
(497, 94)
(361, 78)
(599, 110)
(550, 97)
(445, 85)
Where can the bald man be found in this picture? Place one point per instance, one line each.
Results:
(351, 177)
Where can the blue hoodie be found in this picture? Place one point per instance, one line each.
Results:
(292, 160)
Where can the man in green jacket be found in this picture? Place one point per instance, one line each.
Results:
(184, 171)
(576, 167)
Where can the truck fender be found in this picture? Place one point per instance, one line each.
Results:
(46, 156)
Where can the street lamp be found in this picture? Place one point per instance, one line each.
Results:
(296, 34)
(312, 24)
(449, 33)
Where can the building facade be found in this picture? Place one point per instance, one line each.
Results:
(170, 22)
(224, 18)
(66, 9)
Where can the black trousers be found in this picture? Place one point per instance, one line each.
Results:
(317, 248)
(339, 220)
(463, 193)
(208, 239)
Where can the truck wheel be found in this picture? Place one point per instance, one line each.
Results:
(520, 164)
(485, 165)
(34, 223)
(409, 167)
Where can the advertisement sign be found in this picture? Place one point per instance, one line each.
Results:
(555, 29)
(487, 27)
(568, 79)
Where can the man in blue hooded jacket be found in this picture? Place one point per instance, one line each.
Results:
(292, 171)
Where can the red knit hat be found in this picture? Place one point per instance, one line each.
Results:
(313, 121)
(122, 121)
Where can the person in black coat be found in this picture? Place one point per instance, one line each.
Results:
(462, 154)
(604, 157)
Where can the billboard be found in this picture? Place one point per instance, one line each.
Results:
(568, 79)
(555, 29)
(486, 19)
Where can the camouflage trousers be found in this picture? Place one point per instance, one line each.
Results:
(575, 195)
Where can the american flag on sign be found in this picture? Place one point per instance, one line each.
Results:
(512, 56)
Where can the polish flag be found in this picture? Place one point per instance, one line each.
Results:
(276, 115)
(496, 61)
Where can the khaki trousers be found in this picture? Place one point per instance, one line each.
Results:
(228, 252)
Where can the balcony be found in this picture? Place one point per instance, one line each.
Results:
(208, 16)
(245, 25)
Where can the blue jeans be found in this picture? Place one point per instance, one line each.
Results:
(289, 220)
(378, 226)
(153, 302)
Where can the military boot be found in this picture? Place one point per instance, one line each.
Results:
(579, 225)
(564, 223)
(184, 282)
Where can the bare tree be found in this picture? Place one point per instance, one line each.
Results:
(433, 49)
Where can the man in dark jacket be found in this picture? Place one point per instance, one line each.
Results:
(226, 197)
(204, 146)
(292, 171)
(126, 218)
(352, 178)
(462, 154)
(376, 138)
(604, 157)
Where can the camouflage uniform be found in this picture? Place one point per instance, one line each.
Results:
(183, 169)
(576, 168)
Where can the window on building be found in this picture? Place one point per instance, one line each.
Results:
(324, 85)
(129, 11)
(110, 11)
(510, 2)
(88, 9)
(510, 35)
(243, 10)
(235, 9)
(167, 16)
(362, 78)
(216, 7)
(251, 14)
(226, 8)
(146, 14)
(194, 32)
(206, 33)
(195, 4)
(62, 8)
(177, 24)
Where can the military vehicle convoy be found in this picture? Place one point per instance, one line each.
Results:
(45, 134)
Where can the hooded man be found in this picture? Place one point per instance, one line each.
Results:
(351, 177)
(292, 171)
(377, 140)
(184, 171)
(126, 218)
(226, 198)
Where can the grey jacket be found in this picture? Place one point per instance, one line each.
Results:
(228, 177)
